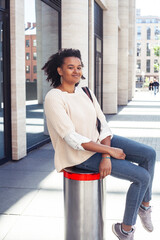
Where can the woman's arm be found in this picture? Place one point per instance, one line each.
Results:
(101, 148)
(107, 151)
(105, 166)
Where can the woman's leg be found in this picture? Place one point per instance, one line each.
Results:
(139, 153)
(126, 170)
(141, 176)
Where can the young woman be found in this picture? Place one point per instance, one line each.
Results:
(71, 120)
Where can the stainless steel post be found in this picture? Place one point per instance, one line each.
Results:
(84, 205)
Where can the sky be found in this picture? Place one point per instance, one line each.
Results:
(29, 11)
(149, 7)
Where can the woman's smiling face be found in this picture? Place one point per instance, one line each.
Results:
(71, 70)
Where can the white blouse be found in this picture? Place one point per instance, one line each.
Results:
(71, 120)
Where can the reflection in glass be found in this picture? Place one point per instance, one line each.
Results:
(2, 154)
(98, 70)
(138, 49)
(139, 33)
(148, 53)
(148, 33)
(41, 40)
(148, 65)
(2, 3)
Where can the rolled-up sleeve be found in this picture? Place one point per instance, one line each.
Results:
(75, 140)
(105, 131)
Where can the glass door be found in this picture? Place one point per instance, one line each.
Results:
(5, 130)
(2, 152)
(42, 39)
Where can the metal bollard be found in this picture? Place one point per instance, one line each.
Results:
(84, 205)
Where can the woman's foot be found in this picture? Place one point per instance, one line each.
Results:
(117, 230)
(145, 216)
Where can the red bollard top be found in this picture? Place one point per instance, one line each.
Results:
(80, 176)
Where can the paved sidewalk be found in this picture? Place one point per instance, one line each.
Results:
(31, 192)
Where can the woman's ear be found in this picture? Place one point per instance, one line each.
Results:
(59, 70)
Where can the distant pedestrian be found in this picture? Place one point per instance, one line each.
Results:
(155, 86)
(151, 86)
(72, 123)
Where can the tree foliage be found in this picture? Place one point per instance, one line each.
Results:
(157, 53)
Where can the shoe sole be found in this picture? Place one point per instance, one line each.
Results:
(114, 231)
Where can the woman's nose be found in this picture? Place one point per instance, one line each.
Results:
(75, 70)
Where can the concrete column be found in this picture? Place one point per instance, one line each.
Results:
(131, 58)
(134, 46)
(110, 57)
(18, 108)
(123, 53)
(75, 29)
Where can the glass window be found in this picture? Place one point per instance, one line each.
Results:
(2, 3)
(148, 20)
(148, 63)
(156, 32)
(138, 65)
(35, 69)
(27, 43)
(148, 52)
(139, 20)
(139, 33)
(44, 41)
(98, 78)
(34, 56)
(28, 69)
(138, 49)
(156, 65)
(148, 33)
(27, 80)
(27, 56)
(34, 43)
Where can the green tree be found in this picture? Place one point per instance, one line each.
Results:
(157, 53)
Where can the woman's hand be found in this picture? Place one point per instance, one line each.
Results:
(105, 167)
(117, 153)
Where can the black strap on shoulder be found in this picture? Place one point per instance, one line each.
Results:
(86, 90)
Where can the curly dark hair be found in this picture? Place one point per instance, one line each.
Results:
(55, 61)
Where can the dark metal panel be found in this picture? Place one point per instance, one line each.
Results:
(6, 83)
(98, 20)
(56, 4)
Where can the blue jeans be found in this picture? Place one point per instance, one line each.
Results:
(155, 89)
(138, 168)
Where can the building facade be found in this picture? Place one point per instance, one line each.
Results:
(103, 30)
(148, 36)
